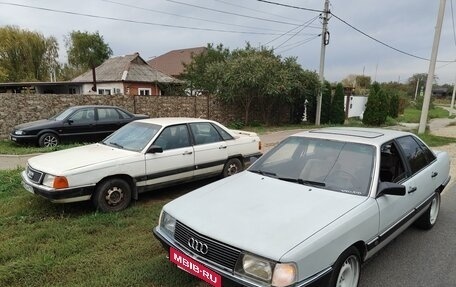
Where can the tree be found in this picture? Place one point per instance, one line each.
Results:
(26, 55)
(326, 103)
(87, 51)
(196, 72)
(337, 106)
(376, 107)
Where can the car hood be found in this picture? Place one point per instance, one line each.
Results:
(260, 214)
(64, 161)
(35, 124)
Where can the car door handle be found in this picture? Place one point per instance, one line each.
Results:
(412, 189)
(222, 147)
(187, 152)
(434, 174)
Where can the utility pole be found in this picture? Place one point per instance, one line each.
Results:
(430, 78)
(452, 98)
(324, 43)
(417, 85)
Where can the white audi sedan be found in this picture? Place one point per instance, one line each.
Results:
(143, 155)
(308, 212)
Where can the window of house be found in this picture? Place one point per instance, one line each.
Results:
(144, 91)
(104, 91)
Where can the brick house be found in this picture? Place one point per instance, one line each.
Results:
(126, 75)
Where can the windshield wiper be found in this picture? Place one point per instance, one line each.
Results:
(303, 181)
(262, 172)
(116, 144)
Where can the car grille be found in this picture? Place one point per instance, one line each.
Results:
(222, 254)
(34, 175)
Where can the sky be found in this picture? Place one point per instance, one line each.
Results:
(154, 27)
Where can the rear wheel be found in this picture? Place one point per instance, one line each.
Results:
(429, 217)
(112, 195)
(232, 166)
(347, 269)
(48, 140)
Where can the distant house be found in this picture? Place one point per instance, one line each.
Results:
(127, 75)
(172, 63)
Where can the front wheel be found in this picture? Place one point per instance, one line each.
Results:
(112, 195)
(232, 166)
(48, 140)
(429, 217)
(347, 269)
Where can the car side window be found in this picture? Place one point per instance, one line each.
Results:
(83, 116)
(392, 168)
(414, 154)
(173, 137)
(108, 114)
(205, 133)
(225, 135)
(123, 114)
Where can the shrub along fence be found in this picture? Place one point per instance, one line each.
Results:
(20, 108)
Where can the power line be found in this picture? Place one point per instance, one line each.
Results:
(298, 44)
(259, 11)
(133, 21)
(292, 36)
(383, 43)
(291, 30)
(231, 13)
(291, 6)
(182, 16)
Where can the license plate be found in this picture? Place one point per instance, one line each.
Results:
(27, 187)
(13, 139)
(195, 268)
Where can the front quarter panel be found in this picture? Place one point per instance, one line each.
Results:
(322, 249)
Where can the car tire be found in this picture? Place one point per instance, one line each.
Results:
(232, 166)
(112, 195)
(429, 217)
(48, 140)
(347, 269)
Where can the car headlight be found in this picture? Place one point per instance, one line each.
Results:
(267, 271)
(56, 182)
(19, 132)
(167, 223)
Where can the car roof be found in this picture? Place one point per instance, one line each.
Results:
(372, 136)
(173, 121)
(94, 106)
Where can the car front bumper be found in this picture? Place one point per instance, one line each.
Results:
(320, 279)
(57, 195)
(23, 139)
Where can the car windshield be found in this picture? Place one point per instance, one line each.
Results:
(335, 165)
(134, 136)
(62, 115)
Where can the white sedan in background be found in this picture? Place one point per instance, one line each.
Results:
(143, 155)
(309, 211)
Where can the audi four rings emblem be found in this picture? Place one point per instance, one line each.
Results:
(198, 246)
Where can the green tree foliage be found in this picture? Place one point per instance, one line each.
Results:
(377, 107)
(196, 72)
(26, 55)
(326, 98)
(337, 106)
(86, 51)
(393, 110)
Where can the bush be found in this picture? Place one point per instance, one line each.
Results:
(376, 108)
(337, 106)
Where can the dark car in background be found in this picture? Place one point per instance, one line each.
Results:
(75, 124)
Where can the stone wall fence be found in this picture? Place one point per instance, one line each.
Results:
(20, 108)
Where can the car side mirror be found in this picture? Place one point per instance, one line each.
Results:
(390, 188)
(70, 121)
(155, 149)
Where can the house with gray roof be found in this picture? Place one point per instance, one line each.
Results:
(127, 75)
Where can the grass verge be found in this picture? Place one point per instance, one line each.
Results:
(46, 244)
(9, 147)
